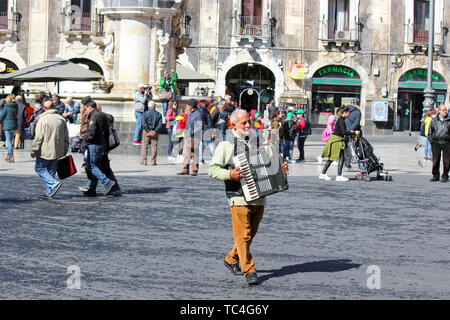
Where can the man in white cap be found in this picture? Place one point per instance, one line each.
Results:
(141, 98)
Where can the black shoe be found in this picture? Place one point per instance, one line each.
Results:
(234, 268)
(252, 278)
(90, 193)
(115, 191)
(434, 179)
(109, 186)
(54, 190)
(444, 179)
(203, 161)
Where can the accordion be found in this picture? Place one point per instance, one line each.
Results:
(263, 173)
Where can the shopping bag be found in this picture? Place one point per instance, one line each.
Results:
(66, 167)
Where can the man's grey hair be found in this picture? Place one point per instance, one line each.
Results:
(151, 104)
(234, 115)
(18, 98)
(69, 99)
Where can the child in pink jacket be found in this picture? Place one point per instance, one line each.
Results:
(326, 134)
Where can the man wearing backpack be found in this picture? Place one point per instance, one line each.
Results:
(304, 129)
(97, 139)
(289, 134)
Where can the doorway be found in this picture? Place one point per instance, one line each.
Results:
(251, 84)
(410, 109)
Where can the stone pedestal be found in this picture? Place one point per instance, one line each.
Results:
(136, 51)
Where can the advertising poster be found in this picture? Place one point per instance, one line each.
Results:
(380, 111)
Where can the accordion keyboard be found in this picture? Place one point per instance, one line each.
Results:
(249, 187)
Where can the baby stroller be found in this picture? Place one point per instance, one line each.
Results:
(367, 161)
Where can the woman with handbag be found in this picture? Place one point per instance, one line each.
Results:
(170, 122)
(168, 92)
(9, 121)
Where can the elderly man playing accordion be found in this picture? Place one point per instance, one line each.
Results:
(246, 216)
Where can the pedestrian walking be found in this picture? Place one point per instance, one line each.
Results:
(327, 132)
(334, 149)
(104, 164)
(245, 216)
(207, 134)
(8, 119)
(22, 115)
(170, 123)
(430, 115)
(304, 129)
(97, 139)
(276, 124)
(50, 144)
(192, 137)
(439, 137)
(178, 133)
(222, 123)
(151, 125)
(289, 134)
(141, 98)
(352, 124)
(168, 91)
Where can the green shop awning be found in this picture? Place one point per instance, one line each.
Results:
(337, 81)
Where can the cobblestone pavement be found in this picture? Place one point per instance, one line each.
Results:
(166, 236)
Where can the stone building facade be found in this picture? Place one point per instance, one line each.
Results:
(373, 50)
(311, 54)
(126, 41)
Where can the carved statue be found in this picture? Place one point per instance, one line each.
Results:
(107, 43)
(109, 46)
(163, 40)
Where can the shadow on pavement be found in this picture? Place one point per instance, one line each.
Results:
(316, 266)
(145, 190)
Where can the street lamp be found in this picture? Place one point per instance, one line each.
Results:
(428, 103)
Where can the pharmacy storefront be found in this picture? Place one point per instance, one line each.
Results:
(410, 97)
(332, 86)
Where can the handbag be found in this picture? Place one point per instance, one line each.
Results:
(66, 167)
(165, 95)
(113, 139)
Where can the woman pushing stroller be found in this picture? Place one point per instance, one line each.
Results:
(334, 149)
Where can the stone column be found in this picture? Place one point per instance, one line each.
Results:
(133, 56)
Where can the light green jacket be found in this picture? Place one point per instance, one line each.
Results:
(223, 156)
(333, 148)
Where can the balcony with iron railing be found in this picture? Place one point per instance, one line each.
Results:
(417, 37)
(329, 34)
(252, 28)
(3, 20)
(81, 23)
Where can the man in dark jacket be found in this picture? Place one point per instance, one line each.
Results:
(352, 124)
(151, 125)
(207, 136)
(439, 136)
(97, 139)
(58, 104)
(21, 121)
(289, 133)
